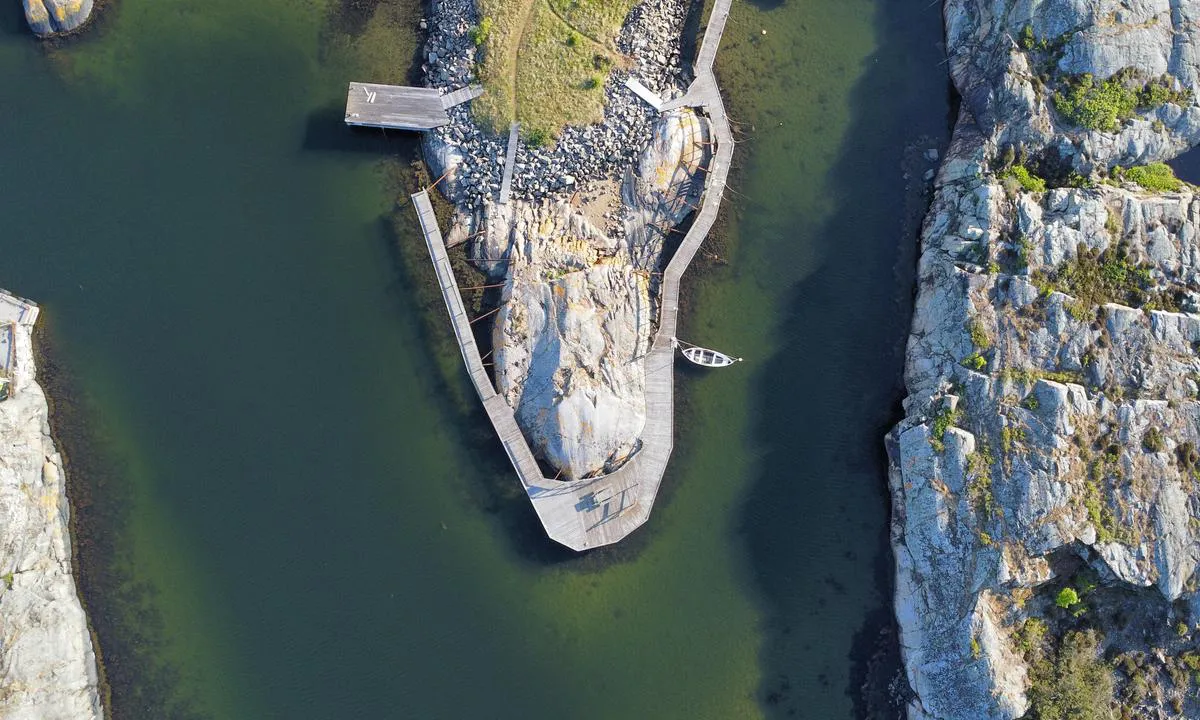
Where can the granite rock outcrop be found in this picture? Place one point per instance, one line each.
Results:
(47, 662)
(1052, 366)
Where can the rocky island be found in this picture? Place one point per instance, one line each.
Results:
(1046, 477)
(47, 661)
(597, 192)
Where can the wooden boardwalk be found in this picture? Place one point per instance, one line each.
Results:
(402, 108)
(510, 160)
(590, 513)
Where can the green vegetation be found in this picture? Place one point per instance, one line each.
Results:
(8, 580)
(1106, 104)
(975, 361)
(1028, 376)
(1032, 637)
(1010, 437)
(598, 19)
(537, 137)
(1112, 224)
(545, 62)
(1095, 106)
(1100, 513)
(1027, 41)
(979, 482)
(1158, 177)
(979, 336)
(1073, 683)
(941, 423)
(480, 33)
(1028, 181)
(1023, 251)
(1095, 278)
(1152, 440)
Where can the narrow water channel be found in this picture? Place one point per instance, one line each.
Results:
(290, 505)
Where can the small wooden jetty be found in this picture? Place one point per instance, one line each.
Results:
(592, 512)
(403, 108)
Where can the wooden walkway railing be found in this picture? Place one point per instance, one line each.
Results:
(590, 513)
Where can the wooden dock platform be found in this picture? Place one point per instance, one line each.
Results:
(402, 108)
(590, 513)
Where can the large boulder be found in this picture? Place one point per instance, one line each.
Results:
(52, 17)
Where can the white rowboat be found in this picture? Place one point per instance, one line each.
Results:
(708, 358)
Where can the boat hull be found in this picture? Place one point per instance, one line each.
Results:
(707, 358)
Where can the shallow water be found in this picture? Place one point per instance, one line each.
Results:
(291, 506)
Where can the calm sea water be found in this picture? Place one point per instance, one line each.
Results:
(290, 505)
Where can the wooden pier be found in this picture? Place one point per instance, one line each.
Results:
(402, 108)
(590, 513)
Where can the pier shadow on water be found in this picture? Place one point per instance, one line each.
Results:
(815, 519)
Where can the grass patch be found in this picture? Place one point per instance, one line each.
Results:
(1158, 177)
(545, 62)
(600, 20)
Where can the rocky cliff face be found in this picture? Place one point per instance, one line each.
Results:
(47, 664)
(1052, 426)
(51, 17)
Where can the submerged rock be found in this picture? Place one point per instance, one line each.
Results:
(47, 663)
(51, 17)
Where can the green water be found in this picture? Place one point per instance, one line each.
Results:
(290, 506)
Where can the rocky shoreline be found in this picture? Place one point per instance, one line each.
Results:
(48, 668)
(578, 248)
(1045, 479)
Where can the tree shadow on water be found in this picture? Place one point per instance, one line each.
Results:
(815, 519)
